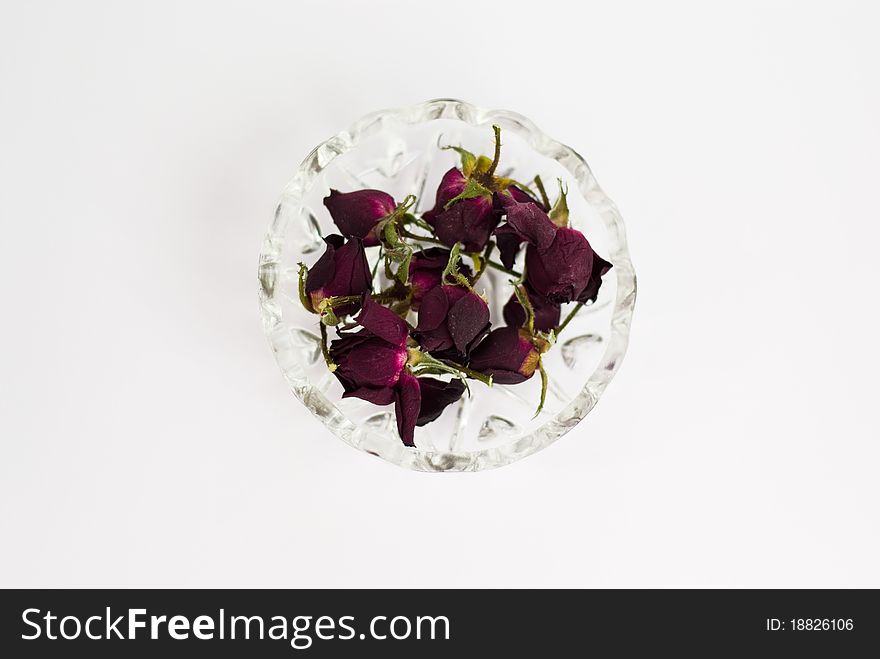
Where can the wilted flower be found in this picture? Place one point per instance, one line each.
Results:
(562, 271)
(357, 213)
(451, 318)
(341, 271)
(559, 260)
(546, 313)
(369, 362)
(372, 365)
(426, 271)
(467, 221)
(507, 354)
(526, 222)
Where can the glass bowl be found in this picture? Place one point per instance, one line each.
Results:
(398, 151)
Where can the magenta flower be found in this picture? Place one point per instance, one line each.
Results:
(369, 362)
(357, 213)
(526, 222)
(507, 354)
(372, 365)
(546, 313)
(559, 260)
(451, 320)
(562, 271)
(425, 272)
(467, 221)
(342, 270)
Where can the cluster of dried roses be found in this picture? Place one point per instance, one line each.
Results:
(378, 356)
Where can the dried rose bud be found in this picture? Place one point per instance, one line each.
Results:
(371, 365)
(468, 221)
(526, 222)
(507, 354)
(559, 260)
(437, 395)
(546, 313)
(357, 213)
(426, 270)
(373, 358)
(451, 318)
(561, 271)
(342, 270)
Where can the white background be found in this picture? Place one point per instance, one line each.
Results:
(148, 438)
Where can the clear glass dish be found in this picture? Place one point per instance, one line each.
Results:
(398, 151)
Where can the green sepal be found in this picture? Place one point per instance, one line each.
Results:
(389, 232)
(559, 212)
(303, 296)
(403, 268)
(472, 188)
(329, 317)
(468, 159)
(483, 165)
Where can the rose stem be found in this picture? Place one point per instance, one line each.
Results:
(485, 379)
(485, 263)
(571, 314)
(427, 239)
(540, 185)
(491, 170)
(378, 261)
(324, 350)
(498, 266)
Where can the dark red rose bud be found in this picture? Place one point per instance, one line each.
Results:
(468, 221)
(426, 270)
(591, 292)
(357, 213)
(546, 313)
(507, 354)
(436, 397)
(560, 264)
(451, 185)
(342, 270)
(451, 317)
(371, 365)
(561, 271)
(369, 362)
(526, 222)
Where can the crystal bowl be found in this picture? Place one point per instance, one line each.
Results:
(398, 151)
